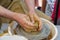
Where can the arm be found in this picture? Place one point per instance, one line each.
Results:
(30, 4)
(32, 14)
(10, 15)
(20, 18)
(6, 13)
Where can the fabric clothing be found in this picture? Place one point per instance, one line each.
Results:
(49, 7)
(53, 14)
(58, 13)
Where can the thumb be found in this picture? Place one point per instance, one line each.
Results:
(29, 23)
(31, 18)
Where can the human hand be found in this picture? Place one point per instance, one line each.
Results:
(25, 22)
(34, 18)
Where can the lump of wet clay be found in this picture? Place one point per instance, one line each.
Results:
(33, 31)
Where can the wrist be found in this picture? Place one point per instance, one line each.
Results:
(15, 16)
(31, 12)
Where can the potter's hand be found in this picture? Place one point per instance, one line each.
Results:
(34, 17)
(25, 22)
(22, 19)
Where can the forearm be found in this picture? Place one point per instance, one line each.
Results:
(6, 13)
(30, 4)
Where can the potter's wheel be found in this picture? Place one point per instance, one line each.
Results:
(44, 33)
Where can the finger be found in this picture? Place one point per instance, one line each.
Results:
(27, 17)
(28, 22)
(40, 25)
(28, 27)
(31, 18)
(29, 30)
(39, 22)
(36, 18)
